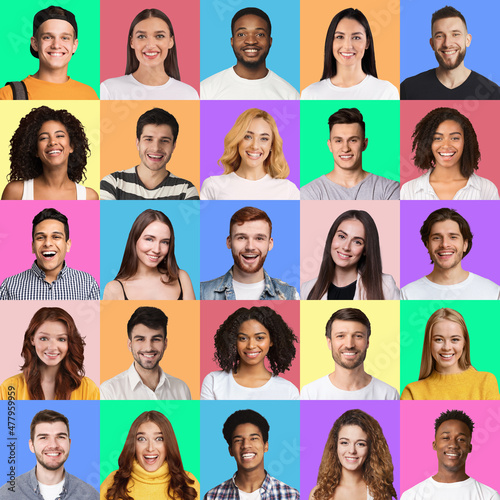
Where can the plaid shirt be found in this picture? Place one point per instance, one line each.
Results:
(271, 489)
(70, 284)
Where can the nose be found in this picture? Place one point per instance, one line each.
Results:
(150, 446)
(251, 343)
(52, 343)
(346, 245)
(446, 345)
(349, 342)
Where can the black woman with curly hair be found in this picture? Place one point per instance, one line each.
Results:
(356, 463)
(242, 344)
(446, 149)
(48, 155)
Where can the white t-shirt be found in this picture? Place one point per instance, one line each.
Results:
(369, 88)
(228, 85)
(470, 489)
(234, 187)
(221, 385)
(51, 491)
(248, 291)
(324, 389)
(473, 288)
(255, 495)
(128, 88)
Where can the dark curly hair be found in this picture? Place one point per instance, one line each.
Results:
(245, 417)
(423, 136)
(24, 162)
(454, 415)
(281, 353)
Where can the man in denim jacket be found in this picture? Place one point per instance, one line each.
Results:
(249, 241)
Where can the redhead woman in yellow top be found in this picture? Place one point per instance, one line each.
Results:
(53, 361)
(446, 371)
(150, 464)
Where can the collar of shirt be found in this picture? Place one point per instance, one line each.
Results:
(134, 378)
(35, 486)
(41, 274)
(227, 283)
(263, 487)
(423, 183)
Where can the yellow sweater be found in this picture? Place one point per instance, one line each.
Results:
(470, 384)
(87, 389)
(144, 485)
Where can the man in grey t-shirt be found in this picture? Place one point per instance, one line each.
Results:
(348, 180)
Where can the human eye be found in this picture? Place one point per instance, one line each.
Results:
(356, 37)
(140, 36)
(437, 138)
(63, 339)
(361, 444)
(141, 438)
(242, 338)
(343, 442)
(160, 36)
(159, 438)
(240, 34)
(339, 37)
(43, 338)
(166, 242)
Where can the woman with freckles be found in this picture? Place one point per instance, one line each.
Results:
(53, 361)
(247, 341)
(150, 464)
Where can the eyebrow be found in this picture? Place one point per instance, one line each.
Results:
(161, 137)
(256, 29)
(354, 237)
(59, 434)
(451, 133)
(154, 433)
(241, 435)
(345, 331)
(442, 32)
(355, 33)
(53, 34)
(53, 232)
(342, 137)
(449, 432)
(56, 132)
(246, 234)
(144, 31)
(255, 133)
(450, 234)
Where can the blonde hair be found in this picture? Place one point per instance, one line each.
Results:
(275, 164)
(428, 364)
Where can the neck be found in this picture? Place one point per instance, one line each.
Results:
(49, 477)
(247, 278)
(446, 476)
(145, 272)
(55, 178)
(257, 371)
(52, 75)
(344, 276)
(452, 78)
(443, 174)
(250, 480)
(251, 173)
(347, 178)
(448, 276)
(348, 76)
(251, 73)
(49, 373)
(149, 377)
(348, 379)
(151, 176)
(153, 76)
(51, 275)
(351, 477)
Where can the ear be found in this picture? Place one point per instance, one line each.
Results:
(129, 345)
(171, 43)
(271, 244)
(367, 44)
(468, 39)
(266, 447)
(137, 144)
(229, 447)
(232, 42)
(434, 445)
(228, 242)
(30, 444)
(365, 144)
(75, 45)
(466, 245)
(329, 142)
(34, 44)
(166, 342)
(68, 245)
(329, 342)
(431, 41)
(270, 42)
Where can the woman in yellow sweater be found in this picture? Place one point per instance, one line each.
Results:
(446, 371)
(150, 464)
(53, 361)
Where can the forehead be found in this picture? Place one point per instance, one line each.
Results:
(352, 227)
(340, 325)
(259, 126)
(447, 327)
(49, 226)
(445, 227)
(151, 130)
(246, 430)
(449, 24)
(252, 326)
(152, 24)
(346, 130)
(353, 432)
(51, 428)
(449, 126)
(251, 22)
(347, 25)
(149, 428)
(56, 27)
(51, 126)
(55, 327)
(144, 331)
(158, 229)
(454, 427)
(252, 227)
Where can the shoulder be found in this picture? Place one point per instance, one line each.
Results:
(317, 90)
(306, 288)
(390, 288)
(384, 188)
(381, 89)
(284, 491)
(113, 291)
(484, 282)
(82, 276)
(287, 87)
(208, 87)
(286, 385)
(417, 79)
(88, 390)
(91, 194)
(220, 489)
(183, 90)
(384, 390)
(15, 381)
(409, 189)
(314, 389)
(83, 488)
(313, 491)
(486, 490)
(491, 86)
(83, 91)
(487, 189)
(111, 85)
(6, 93)
(13, 191)
(107, 483)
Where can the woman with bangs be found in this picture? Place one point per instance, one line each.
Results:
(244, 343)
(150, 464)
(446, 371)
(356, 463)
(149, 269)
(152, 71)
(446, 149)
(53, 361)
(254, 165)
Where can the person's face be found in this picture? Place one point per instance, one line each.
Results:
(348, 342)
(447, 346)
(352, 447)
(453, 445)
(349, 43)
(347, 144)
(448, 144)
(155, 146)
(249, 244)
(449, 42)
(51, 342)
(55, 43)
(147, 346)
(446, 244)
(251, 41)
(248, 447)
(256, 144)
(253, 342)
(348, 244)
(50, 444)
(150, 449)
(50, 245)
(54, 144)
(153, 244)
(151, 41)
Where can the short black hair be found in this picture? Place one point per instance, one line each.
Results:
(347, 115)
(454, 415)
(245, 417)
(348, 314)
(47, 417)
(50, 213)
(152, 317)
(157, 116)
(250, 11)
(445, 13)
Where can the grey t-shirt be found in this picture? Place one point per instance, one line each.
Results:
(373, 187)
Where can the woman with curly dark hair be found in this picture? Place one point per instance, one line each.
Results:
(243, 343)
(356, 462)
(48, 155)
(150, 464)
(446, 149)
(53, 361)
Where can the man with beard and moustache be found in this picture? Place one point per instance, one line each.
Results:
(249, 78)
(249, 241)
(157, 132)
(451, 79)
(147, 341)
(453, 435)
(448, 239)
(50, 442)
(348, 338)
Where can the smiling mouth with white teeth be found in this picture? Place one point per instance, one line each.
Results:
(49, 255)
(248, 456)
(154, 156)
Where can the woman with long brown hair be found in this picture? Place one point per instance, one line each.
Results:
(53, 361)
(149, 270)
(150, 464)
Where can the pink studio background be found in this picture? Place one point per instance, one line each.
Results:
(479, 113)
(419, 460)
(115, 23)
(215, 312)
(16, 227)
(16, 316)
(316, 218)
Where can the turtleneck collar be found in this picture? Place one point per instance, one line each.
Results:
(159, 476)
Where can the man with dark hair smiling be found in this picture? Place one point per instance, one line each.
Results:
(249, 78)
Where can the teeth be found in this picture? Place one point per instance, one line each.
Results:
(156, 157)
(446, 356)
(252, 354)
(254, 155)
(446, 154)
(149, 355)
(151, 53)
(346, 157)
(248, 455)
(52, 454)
(48, 254)
(55, 152)
(250, 50)
(349, 354)
(150, 457)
